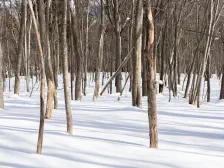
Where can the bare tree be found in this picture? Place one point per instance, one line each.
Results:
(42, 88)
(152, 113)
(20, 47)
(100, 51)
(136, 82)
(222, 85)
(65, 70)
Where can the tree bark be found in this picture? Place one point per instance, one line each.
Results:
(117, 71)
(78, 80)
(208, 80)
(20, 47)
(162, 65)
(152, 113)
(42, 88)
(86, 50)
(222, 85)
(117, 17)
(50, 75)
(136, 84)
(100, 53)
(65, 71)
(1, 79)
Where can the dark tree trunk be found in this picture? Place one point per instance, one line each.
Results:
(162, 60)
(222, 85)
(117, 17)
(208, 80)
(1, 79)
(20, 47)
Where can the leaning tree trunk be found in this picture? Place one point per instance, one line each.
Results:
(152, 114)
(1, 79)
(117, 71)
(136, 82)
(42, 88)
(20, 48)
(189, 77)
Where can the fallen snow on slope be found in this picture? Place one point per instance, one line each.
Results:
(113, 134)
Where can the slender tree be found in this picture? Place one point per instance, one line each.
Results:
(1, 78)
(65, 70)
(20, 47)
(42, 88)
(222, 85)
(100, 51)
(152, 113)
(136, 84)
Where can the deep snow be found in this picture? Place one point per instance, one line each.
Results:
(113, 134)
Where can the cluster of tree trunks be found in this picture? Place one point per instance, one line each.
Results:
(85, 39)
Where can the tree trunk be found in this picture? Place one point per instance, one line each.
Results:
(42, 88)
(222, 85)
(136, 85)
(100, 53)
(117, 71)
(65, 71)
(118, 45)
(152, 113)
(78, 55)
(131, 42)
(162, 65)
(86, 50)
(26, 45)
(144, 67)
(118, 62)
(1, 79)
(50, 75)
(20, 48)
(208, 80)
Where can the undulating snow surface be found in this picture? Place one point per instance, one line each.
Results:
(113, 134)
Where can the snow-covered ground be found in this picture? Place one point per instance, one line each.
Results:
(113, 134)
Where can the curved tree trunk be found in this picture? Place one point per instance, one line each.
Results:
(42, 88)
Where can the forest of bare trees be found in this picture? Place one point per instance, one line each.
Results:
(102, 39)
